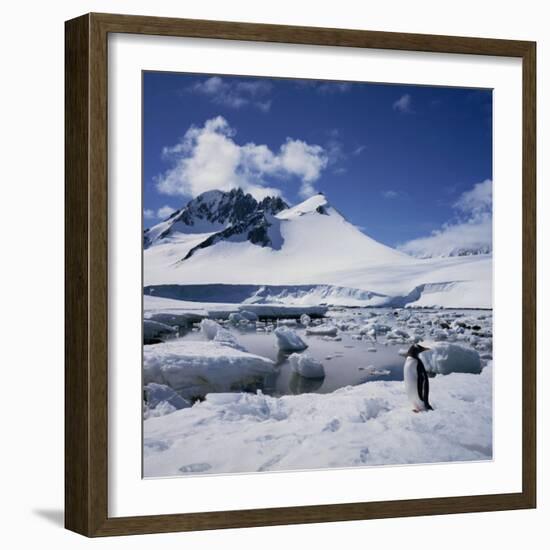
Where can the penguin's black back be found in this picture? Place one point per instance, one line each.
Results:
(423, 384)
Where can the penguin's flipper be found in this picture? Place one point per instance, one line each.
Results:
(423, 385)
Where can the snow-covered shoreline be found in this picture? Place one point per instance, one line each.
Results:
(366, 425)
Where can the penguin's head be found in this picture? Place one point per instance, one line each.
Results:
(415, 350)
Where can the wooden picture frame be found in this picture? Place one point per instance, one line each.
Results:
(86, 360)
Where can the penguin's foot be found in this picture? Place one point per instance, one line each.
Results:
(416, 410)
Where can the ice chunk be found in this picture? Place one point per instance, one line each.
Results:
(227, 338)
(439, 335)
(306, 366)
(248, 315)
(157, 393)
(446, 358)
(373, 371)
(160, 400)
(214, 331)
(236, 318)
(209, 328)
(373, 329)
(154, 329)
(323, 330)
(305, 319)
(288, 340)
(287, 322)
(397, 334)
(194, 368)
(332, 338)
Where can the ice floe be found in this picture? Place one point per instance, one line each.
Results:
(445, 358)
(213, 331)
(288, 340)
(194, 368)
(322, 330)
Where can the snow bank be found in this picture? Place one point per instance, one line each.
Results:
(306, 366)
(194, 368)
(444, 358)
(288, 340)
(363, 425)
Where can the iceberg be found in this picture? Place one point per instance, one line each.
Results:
(214, 331)
(445, 358)
(288, 340)
(194, 368)
(306, 366)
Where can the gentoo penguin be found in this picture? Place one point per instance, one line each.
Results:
(416, 379)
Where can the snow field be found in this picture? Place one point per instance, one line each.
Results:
(365, 425)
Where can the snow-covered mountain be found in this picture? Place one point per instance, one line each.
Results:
(222, 238)
(216, 212)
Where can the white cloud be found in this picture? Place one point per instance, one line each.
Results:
(478, 200)
(471, 230)
(161, 214)
(235, 94)
(305, 161)
(453, 239)
(164, 211)
(307, 190)
(403, 104)
(209, 158)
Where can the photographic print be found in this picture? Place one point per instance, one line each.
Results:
(317, 274)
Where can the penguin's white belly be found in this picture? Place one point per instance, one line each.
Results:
(410, 375)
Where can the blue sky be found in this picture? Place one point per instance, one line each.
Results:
(401, 162)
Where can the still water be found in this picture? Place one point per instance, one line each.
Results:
(346, 362)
